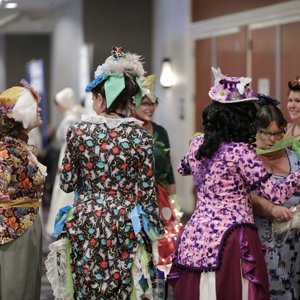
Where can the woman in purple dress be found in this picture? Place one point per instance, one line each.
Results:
(220, 255)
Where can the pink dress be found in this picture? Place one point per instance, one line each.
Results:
(221, 237)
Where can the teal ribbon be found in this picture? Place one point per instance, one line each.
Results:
(113, 86)
(137, 215)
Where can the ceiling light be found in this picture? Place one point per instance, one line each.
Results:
(11, 5)
(167, 77)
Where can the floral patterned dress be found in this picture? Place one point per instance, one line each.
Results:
(109, 163)
(220, 255)
(282, 252)
(24, 176)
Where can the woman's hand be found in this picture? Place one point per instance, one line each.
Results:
(280, 213)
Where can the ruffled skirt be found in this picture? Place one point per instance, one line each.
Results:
(242, 274)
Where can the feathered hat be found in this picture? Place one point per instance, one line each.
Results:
(231, 89)
(113, 70)
(148, 88)
(20, 104)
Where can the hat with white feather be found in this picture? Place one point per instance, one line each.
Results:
(231, 89)
(20, 104)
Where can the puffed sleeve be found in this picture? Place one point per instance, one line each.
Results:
(255, 174)
(185, 166)
(70, 170)
(146, 185)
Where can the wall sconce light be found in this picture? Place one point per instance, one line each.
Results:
(167, 77)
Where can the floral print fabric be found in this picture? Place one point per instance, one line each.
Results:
(19, 174)
(223, 184)
(110, 165)
(282, 258)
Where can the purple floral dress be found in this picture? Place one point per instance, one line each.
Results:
(109, 163)
(223, 185)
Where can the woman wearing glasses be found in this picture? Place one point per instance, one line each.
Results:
(164, 175)
(282, 258)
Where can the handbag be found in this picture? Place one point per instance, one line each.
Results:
(294, 223)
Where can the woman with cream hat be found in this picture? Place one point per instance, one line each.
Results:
(68, 105)
(21, 187)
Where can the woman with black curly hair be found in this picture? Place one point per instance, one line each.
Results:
(220, 256)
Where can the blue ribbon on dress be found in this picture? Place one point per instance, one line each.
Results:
(62, 215)
(60, 219)
(136, 215)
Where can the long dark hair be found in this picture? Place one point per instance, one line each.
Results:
(234, 122)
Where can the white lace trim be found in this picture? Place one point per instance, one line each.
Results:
(58, 270)
(111, 122)
(138, 271)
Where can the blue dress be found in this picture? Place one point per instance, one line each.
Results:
(282, 253)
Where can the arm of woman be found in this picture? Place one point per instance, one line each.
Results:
(5, 173)
(70, 171)
(259, 179)
(265, 208)
(146, 185)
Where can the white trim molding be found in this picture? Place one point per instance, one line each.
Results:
(281, 13)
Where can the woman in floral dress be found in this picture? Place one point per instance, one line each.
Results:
(282, 259)
(220, 256)
(114, 225)
(21, 188)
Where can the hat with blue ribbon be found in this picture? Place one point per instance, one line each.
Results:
(113, 71)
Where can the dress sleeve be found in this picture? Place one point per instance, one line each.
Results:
(5, 169)
(185, 166)
(70, 171)
(255, 174)
(146, 191)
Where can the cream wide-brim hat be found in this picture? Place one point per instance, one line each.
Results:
(19, 104)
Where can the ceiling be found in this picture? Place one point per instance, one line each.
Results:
(34, 5)
(28, 7)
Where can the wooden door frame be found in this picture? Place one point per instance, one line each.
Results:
(282, 13)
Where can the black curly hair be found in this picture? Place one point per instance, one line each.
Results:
(234, 122)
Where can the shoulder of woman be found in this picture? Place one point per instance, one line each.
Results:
(158, 127)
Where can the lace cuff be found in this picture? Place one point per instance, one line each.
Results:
(59, 271)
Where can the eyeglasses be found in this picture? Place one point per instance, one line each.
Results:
(268, 134)
(149, 104)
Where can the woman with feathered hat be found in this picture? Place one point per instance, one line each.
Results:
(21, 188)
(112, 231)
